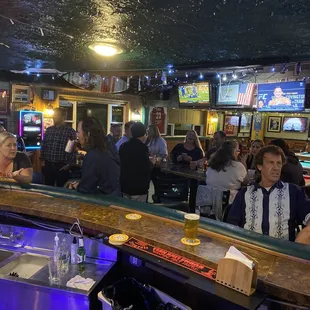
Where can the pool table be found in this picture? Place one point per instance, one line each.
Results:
(303, 156)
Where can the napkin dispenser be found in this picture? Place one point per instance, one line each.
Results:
(238, 272)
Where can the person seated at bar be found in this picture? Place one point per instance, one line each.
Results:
(13, 164)
(53, 155)
(126, 136)
(100, 169)
(218, 139)
(190, 150)
(225, 172)
(270, 206)
(156, 144)
(19, 140)
(292, 171)
(249, 159)
(136, 166)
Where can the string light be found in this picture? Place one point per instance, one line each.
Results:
(186, 74)
(201, 76)
(273, 69)
(224, 77)
(218, 75)
(234, 76)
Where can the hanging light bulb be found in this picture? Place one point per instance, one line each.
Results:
(218, 75)
(201, 76)
(234, 76)
(273, 69)
(224, 77)
(186, 74)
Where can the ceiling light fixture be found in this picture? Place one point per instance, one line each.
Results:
(106, 49)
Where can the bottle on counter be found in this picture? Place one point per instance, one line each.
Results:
(74, 249)
(81, 255)
(64, 256)
(56, 248)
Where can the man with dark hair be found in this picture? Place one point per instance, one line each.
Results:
(115, 133)
(272, 207)
(126, 136)
(53, 154)
(218, 139)
(136, 166)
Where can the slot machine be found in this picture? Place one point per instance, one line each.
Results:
(31, 129)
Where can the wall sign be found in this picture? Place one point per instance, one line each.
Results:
(4, 102)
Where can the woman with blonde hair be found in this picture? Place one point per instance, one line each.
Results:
(13, 165)
(188, 151)
(156, 144)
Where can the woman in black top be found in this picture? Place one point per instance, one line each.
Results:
(13, 165)
(100, 169)
(190, 150)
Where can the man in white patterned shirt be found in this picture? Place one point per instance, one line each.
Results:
(270, 206)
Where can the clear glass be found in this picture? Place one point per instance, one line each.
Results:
(191, 227)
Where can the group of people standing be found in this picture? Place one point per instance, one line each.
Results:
(113, 165)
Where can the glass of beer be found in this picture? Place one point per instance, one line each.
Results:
(191, 227)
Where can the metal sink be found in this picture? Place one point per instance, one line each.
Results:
(25, 265)
(4, 255)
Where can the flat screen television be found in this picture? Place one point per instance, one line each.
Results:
(284, 96)
(231, 125)
(227, 94)
(295, 124)
(195, 94)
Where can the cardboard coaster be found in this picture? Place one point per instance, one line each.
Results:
(133, 216)
(197, 242)
(118, 239)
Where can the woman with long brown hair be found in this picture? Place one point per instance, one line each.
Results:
(188, 151)
(100, 169)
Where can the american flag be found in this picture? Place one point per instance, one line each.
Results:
(245, 95)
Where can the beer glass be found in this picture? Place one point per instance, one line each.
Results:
(191, 227)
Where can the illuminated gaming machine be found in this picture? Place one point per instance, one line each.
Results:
(31, 128)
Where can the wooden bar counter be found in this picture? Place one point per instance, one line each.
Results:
(284, 268)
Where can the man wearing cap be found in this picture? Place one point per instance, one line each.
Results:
(135, 165)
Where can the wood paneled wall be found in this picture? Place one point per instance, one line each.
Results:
(183, 116)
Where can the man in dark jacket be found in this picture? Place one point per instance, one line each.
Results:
(135, 165)
(292, 171)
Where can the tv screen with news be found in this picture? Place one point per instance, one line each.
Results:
(295, 124)
(194, 94)
(283, 96)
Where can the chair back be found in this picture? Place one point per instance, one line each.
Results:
(37, 178)
(171, 189)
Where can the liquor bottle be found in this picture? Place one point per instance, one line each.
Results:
(81, 255)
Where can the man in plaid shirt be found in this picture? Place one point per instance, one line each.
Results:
(53, 150)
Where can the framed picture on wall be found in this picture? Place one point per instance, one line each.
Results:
(231, 125)
(4, 102)
(246, 123)
(3, 122)
(274, 123)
